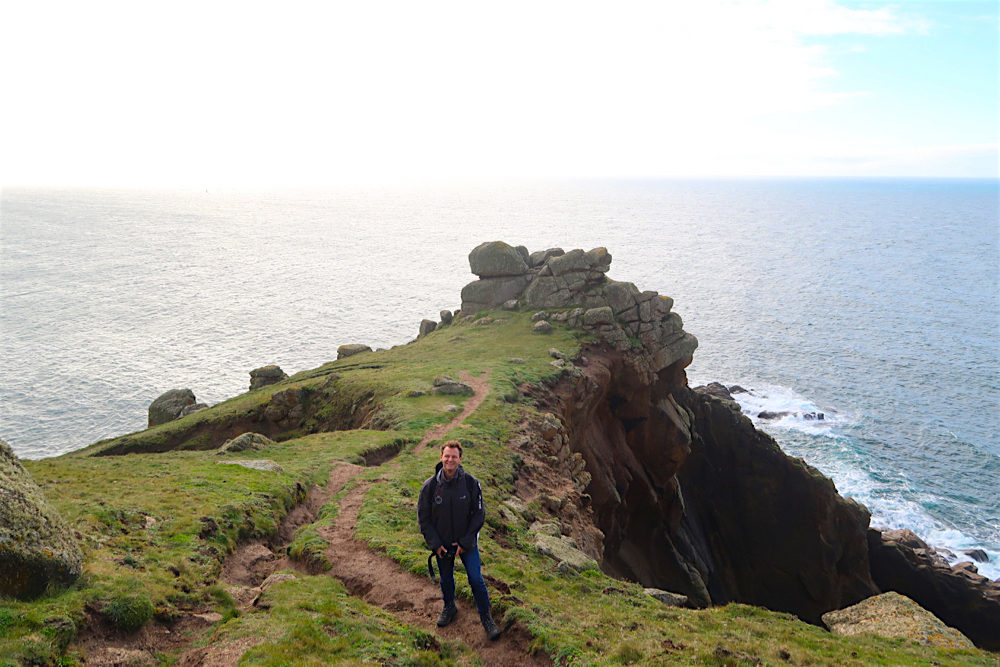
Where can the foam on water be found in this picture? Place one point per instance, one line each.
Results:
(827, 444)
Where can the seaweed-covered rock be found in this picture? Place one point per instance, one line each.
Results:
(169, 405)
(37, 547)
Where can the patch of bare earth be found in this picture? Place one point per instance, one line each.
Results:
(104, 645)
(245, 573)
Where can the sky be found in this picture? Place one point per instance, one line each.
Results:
(303, 93)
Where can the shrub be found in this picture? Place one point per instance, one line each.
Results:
(129, 611)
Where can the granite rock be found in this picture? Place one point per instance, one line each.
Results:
(37, 547)
(169, 405)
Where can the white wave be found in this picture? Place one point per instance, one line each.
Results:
(796, 412)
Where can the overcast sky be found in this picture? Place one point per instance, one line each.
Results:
(322, 93)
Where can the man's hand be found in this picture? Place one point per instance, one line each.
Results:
(459, 550)
(441, 551)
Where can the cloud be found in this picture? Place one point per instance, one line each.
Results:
(314, 92)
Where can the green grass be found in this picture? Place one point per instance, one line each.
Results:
(313, 621)
(160, 524)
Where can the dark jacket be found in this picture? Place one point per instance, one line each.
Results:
(457, 517)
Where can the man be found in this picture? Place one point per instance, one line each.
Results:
(451, 512)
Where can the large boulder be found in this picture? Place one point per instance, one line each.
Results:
(491, 292)
(265, 375)
(169, 405)
(895, 615)
(539, 258)
(351, 349)
(246, 442)
(496, 259)
(449, 386)
(36, 546)
(716, 389)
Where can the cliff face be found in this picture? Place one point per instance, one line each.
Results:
(693, 499)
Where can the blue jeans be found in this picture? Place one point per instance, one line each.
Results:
(473, 566)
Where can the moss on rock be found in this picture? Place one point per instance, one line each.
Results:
(37, 548)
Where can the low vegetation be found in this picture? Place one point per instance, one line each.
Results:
(157, 525)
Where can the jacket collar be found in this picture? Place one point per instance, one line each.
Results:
(458, 475)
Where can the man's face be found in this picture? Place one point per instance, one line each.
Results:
(450, 458)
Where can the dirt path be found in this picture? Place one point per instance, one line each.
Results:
(415, 600)
(480, 386)
(368, 575)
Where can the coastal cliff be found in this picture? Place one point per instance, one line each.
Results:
(691, 498)
(613, 490)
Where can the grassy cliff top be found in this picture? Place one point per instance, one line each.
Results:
(158, 521)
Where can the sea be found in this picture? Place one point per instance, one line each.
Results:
(873, 302)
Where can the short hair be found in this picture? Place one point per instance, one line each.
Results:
(454, 444)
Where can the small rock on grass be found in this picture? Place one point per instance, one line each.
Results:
(255, 464)
(542, 327)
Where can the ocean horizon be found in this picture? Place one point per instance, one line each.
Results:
(875, 302)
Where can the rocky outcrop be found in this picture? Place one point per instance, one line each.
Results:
(549, 540)
(666, 597)
(246, 442)
(692, 498)
(895, 615)
(191, 409)
(37, 548)
(716, 389)
(617, 311)
(449, 386)
(781, 414)
(497, 259)
(351, 349)
(962, 598)
(170, 405)
(266, 375)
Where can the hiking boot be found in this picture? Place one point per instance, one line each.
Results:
(492, 631)
(447, 615)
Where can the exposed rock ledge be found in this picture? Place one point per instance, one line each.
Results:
(691, 498)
